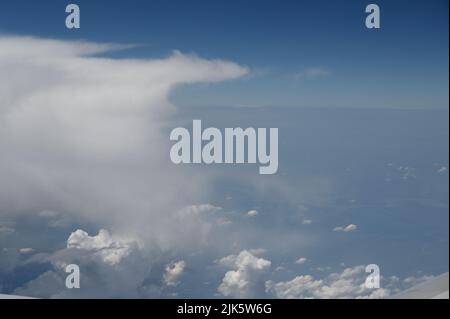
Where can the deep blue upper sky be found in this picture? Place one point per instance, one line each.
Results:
(402, 65)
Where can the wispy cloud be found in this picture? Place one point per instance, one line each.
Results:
(313, 72)
(98, 124)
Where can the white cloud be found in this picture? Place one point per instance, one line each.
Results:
(350, 283)
(348, 228)
(301, 260)
(6, 230)
(173, 273)
(55, 219)
(246, 280)
(227, 261)
(252, 213)
(9, 259)
(307, 222)
(295, 288)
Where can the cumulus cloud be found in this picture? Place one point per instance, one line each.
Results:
(246, 279)
(26, 250)
(350, 283)
(301, 260)
(346, 229)
(295, 288)
(173, 273)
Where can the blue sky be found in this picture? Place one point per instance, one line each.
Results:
(402, 65)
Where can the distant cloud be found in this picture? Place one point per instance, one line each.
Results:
(313, 72)
(348, 228)
(252, 213)
(301, 260)
(173, 273)
(245, 281)
(307, 222)
(200, 209)
(26, 250)
(407, 172)
(48, 213)
(299, 287)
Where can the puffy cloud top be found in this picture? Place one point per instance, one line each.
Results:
(346, 229)
(245, 280)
